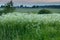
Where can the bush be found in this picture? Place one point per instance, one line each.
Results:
(29, 27)
(1, 12)
(44, 11)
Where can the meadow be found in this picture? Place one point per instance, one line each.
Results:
(25, 26)
(36, 10)
(29, 23)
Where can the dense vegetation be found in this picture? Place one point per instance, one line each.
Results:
(25, 26)
(44, 11)
(8, 8)
(19, 26)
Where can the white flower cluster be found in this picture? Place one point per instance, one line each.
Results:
(45, 18)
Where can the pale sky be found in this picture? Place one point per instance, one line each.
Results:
(34, 1)
(30, 1)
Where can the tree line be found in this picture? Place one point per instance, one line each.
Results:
(36, 6)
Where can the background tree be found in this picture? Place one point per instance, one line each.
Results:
(9, 7)
(21, 6)
(33, 6)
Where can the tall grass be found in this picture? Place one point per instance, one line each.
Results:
(18, 26)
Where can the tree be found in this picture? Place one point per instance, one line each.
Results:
(21, 6)
(33, 6)
(9, 7)
(2, 6)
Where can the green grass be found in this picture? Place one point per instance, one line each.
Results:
(35, 10)
(17, 26)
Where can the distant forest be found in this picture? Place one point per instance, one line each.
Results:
(35, 6)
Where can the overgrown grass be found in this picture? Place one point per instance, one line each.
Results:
(18, 26)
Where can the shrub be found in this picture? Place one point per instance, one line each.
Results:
(1, 12)
(44, 11)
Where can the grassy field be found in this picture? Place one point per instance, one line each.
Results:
(35, 10)
(18, 26)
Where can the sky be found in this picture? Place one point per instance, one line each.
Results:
(31, 1)
(34, 1)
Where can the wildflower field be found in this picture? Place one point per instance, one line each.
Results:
(24, 26)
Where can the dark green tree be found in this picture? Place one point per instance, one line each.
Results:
(9, 7)
(21, 6)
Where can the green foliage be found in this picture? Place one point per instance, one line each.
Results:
(1, 12)
(8, 8)
(18, 26)
(44, 11)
